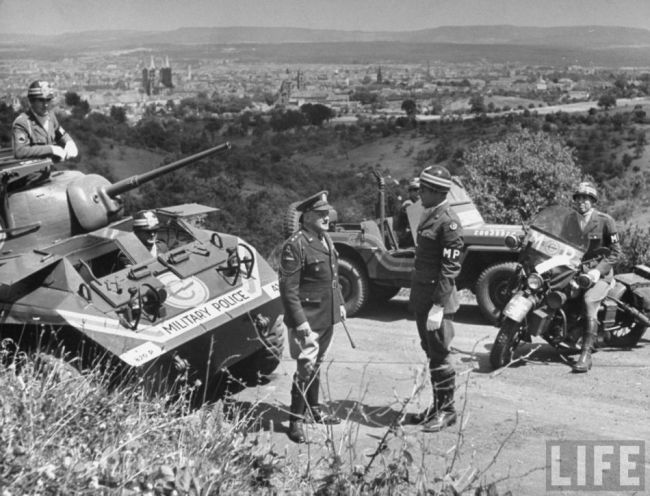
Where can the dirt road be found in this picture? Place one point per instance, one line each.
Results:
(508, 416)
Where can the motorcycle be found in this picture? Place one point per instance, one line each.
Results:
(545, 292)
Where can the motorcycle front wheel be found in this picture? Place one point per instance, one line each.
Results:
(505, 344)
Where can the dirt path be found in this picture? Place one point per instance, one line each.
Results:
(518, 409)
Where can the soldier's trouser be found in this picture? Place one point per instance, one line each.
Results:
(309, 352)
(436, 346)
(594, 296)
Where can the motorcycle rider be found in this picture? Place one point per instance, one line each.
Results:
(597, 230)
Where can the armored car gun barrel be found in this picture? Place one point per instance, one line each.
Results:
(42, 206)
(75, 277)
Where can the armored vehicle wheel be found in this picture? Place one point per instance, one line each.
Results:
(627, 336)
(55, 368)
(492, 292)
(354, 285)
(256, 368)
(505, 344)
(381, 294)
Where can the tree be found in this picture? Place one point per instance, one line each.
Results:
(477, 104)
(409, 107)
(316, 113)
(118, 114)
(512, 179)
(72, 99)
(606, 101)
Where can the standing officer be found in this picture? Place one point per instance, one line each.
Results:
(37, 133)
(402, 225)
(312, 305)
(433, 292)
(597, 230)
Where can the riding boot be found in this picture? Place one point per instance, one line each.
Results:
(425, 415)
(446, 413)
(584, 362)
(296, 432)
(315, 408)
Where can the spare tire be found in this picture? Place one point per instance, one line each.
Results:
(291, 221)
(492, 290)
(354, 284)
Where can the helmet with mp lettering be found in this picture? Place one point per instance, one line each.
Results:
(435, 177)
(145, 220)
(586, 188)
(40, 90)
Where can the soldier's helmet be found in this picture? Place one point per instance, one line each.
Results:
(414, 184)
(587, 188)
(40, 90)
(436, 177)
(145, 220)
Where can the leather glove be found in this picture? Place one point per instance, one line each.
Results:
(71, 149)
(58, 152)
(434, 320)
(594, 275)
(344, 314)
(303, 330)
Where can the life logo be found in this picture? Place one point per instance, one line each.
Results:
(184, 293)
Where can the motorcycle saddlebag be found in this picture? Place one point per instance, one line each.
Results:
(642, 298)
(640, 287)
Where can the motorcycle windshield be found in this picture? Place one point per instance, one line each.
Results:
(555, 233)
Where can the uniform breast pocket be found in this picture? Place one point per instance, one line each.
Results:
(314, 265)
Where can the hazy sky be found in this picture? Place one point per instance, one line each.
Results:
(59, 16)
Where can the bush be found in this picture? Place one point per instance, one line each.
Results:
(635, 243)
(510, 180)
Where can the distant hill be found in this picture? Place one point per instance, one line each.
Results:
(602, 46)
(569, 36)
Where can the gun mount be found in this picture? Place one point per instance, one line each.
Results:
(40, 206)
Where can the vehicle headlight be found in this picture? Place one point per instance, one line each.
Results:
(534, 281)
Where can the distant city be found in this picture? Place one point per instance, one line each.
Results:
(141, 79)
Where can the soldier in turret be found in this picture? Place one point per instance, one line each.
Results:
(313, 303)
(37, 132)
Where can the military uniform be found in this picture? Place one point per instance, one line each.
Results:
(594, 230)
(437, 264)
(34, 136)
(310, 294)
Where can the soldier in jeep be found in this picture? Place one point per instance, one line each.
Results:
(402, 227)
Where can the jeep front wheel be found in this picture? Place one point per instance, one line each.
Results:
(492, 290)
(354, 285)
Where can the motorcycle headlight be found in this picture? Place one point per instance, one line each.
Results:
(556, 299)
(534, 281)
